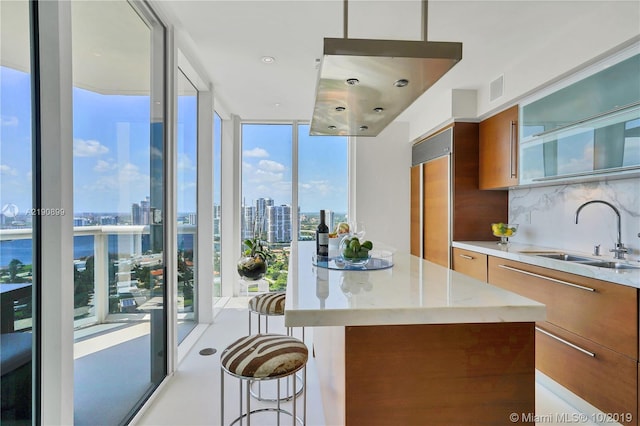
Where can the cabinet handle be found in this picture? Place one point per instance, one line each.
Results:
(560, 339)
(513, 166)
(464, 256)
(581, 287)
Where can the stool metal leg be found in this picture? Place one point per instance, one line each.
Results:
(221, 396)
(278, 405)
(248, 405)
(295, 399)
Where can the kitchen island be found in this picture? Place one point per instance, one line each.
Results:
(415, 344)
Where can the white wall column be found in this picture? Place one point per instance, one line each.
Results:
(231, 164)
(204, 237)
(384, 204)
(56, 192)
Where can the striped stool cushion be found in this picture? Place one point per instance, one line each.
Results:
(264, 355)
(268, 303)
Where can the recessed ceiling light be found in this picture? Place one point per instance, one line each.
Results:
(401, 83)
(340, 108)
(268, 59)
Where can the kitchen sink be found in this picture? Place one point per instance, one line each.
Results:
(566, 257)
(611, 265)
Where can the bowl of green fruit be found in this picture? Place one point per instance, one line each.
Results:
(355, 252)
(504, 231)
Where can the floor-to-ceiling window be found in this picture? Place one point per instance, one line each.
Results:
(266, 196)
(16, 216)
(186, 196)
(268, 184)
(217, 206)
(118, 167)
(322, 180)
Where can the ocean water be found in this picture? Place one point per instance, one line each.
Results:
(23, 250)
(82, 247)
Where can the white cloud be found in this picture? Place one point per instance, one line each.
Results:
(264, 176)
(9, 121)
(89, 148)
(316, 187)
(7, 170)
(103, 166)
(271, 166)
(185, 163)
(256, 153)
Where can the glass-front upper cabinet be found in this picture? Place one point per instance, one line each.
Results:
(586, 129)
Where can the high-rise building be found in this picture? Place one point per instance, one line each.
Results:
(108, 220)
(140, 213)
(329, 218)
(248, 221)
(278, 224)
(193, 219)
(216, 220)
(145, 207)
(261, 214)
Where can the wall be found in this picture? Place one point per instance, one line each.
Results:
(383, 186)
(547, 216)
(572, 34)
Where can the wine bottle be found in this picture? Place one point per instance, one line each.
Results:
(322, 237)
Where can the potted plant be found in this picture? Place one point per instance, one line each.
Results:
(253, 262)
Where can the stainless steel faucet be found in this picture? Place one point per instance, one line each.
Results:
(619, 249)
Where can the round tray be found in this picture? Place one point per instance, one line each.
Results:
(338, 264)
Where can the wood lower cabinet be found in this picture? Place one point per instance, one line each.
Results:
(499, 150)
(426, 374)
(589, 343)
(604, 312)
(601, 376)
(470, 263)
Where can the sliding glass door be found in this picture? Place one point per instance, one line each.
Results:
(187, 201)
(16, 217)
(118, 166)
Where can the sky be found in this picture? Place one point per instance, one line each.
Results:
(111, 155)
(267, 167)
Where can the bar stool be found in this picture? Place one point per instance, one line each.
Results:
(263, 357)
(264, 306)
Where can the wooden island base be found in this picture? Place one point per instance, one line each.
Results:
(431, 374)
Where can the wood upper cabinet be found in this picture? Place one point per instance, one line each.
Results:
(499, 150)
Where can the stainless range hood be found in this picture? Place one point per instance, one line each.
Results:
(365, 84)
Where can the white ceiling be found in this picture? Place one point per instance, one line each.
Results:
(229, 38)
(225, 40)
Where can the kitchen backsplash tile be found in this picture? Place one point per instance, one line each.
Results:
(547, 215)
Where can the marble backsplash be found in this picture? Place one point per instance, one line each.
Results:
(546, 216)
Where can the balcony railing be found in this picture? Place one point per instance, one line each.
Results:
(114, 278)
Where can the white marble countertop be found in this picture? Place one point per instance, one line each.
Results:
(413, 291)
(515, 251)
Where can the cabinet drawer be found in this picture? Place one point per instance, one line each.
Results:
(605, 378)
(604, 312)
(470, 263)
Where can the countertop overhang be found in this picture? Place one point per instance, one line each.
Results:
(523, 253)
(413, 291)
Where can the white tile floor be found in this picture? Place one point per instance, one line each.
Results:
(192, 395)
